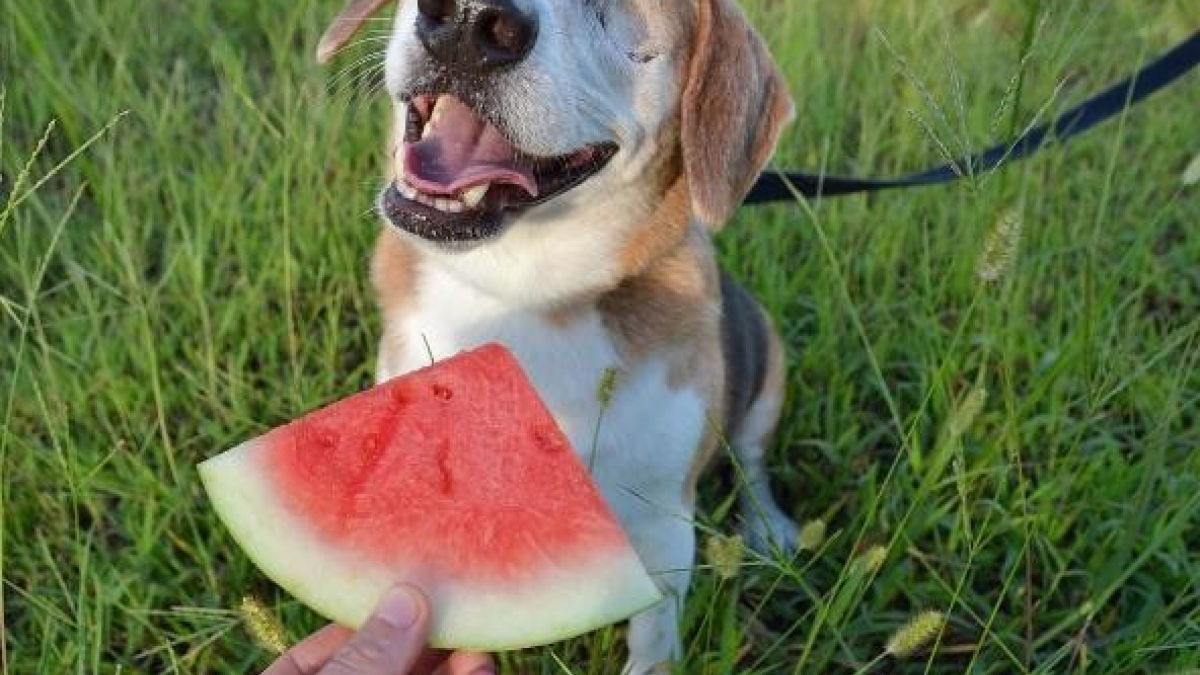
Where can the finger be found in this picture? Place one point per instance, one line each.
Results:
(311, 654)
(390, 642)
(467, 663)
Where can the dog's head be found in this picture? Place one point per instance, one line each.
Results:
(522, 112)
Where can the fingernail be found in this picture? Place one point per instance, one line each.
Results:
(399, 608)
(484, 670)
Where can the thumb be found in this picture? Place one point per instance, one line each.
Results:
(390, 642)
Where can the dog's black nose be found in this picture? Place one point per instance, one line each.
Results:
(475, 35)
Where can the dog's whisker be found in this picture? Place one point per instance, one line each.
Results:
(375, 89)
(347, 76)
(364, 68)
(367, 85)
(371, 56)
(344, 82)
(382, 37)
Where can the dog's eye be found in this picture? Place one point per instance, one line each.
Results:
(643, 54)
(625, 25)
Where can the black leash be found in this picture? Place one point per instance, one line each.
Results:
(779, 186)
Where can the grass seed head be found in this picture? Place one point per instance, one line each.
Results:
(1191, 175)
(264, 626)
(916, 634)
(1001, 247)
(872, 561)
(607, 387)
(812, 535)
(725, 555)
(967, 411)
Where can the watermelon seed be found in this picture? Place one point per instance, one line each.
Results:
(546, 441)
(443, 466)
(399, 397)
(323, 438)
(443, 393)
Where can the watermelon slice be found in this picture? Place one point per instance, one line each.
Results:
(455, 478)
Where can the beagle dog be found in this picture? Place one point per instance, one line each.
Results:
(557, 169)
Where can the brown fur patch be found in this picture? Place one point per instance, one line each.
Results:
(672, 310)
(735, 103)
(394, 276)
(664, 229)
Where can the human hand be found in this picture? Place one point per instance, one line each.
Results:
(391, 642)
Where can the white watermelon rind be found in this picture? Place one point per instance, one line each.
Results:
(562, 604)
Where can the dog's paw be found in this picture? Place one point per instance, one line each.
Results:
(769, 532)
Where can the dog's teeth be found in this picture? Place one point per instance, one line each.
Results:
(474, 196)
(448, 205)
(443, 204)
(439, 109)
(435, 117)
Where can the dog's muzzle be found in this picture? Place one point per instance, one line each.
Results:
(460, 174)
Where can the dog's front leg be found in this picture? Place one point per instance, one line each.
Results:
(666, 542)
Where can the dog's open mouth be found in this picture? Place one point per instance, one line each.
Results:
(457, 175)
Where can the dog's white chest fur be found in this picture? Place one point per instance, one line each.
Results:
(640, 446)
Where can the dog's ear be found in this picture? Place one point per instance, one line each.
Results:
(347, 23)
(735, 103)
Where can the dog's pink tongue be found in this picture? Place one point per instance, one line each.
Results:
(461, 151)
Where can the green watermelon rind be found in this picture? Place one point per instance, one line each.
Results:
(562, 604)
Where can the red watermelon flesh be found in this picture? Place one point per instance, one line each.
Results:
(455, 478)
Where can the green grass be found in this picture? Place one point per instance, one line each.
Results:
(197, 273)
